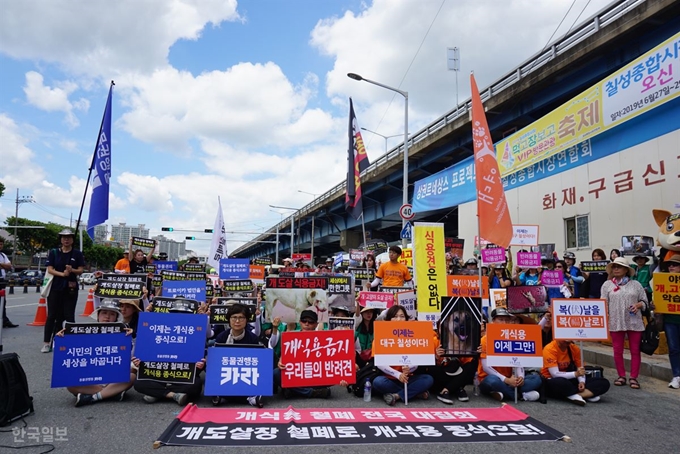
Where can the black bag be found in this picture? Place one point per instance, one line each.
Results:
(15, 400)
(650, 337)
(368, 372)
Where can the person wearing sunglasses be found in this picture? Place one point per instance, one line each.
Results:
(626, 299)
(567, 287)
(309, 321)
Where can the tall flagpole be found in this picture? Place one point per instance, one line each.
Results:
(89, 175)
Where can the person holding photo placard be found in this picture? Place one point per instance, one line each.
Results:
(626, 299)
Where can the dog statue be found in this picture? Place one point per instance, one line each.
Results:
(669, 233)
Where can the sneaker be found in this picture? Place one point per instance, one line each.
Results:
(84, 399)
(216, 400)
(675, 383)
(462, 395)
(46, 348)
(121, 396)
(181, 398)
(445, 397)
(150, 399)
(531, 396)
(593, 399)
(256, 401)
(578, 400)
(496, 395)
(390, 399)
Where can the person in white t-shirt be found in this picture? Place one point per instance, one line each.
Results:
(5, 266)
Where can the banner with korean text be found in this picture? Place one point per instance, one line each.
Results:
(192, 290)
(403, 343)
(467, 286)
(171, 337)
(287, 297)
(97, 356)
(430, 266)
(376, 300)
(272, 427)
(643, 84)
(167, 372)
(514, 345)
(524, 235)
(667, 293)
(580, 319)
(239, 371)
(317, 358)
(234, 269)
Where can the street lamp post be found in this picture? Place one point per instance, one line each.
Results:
(384, 137)
(292, 225)
(277, 234)
(405, 95)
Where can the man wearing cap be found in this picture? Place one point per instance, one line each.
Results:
(65, 264)
(5, 265)
(309, 321)
(500, 382)
(573, 272)
(123, 265)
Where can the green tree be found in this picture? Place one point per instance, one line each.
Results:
(101, 257)
(34, 241)
(2, 189)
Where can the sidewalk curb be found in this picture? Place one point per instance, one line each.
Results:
(656, 366)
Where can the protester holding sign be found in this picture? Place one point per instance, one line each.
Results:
(626, 299)
(572, 272)
(129, 310)
(671, 324)
(363, 335)
(107, 312)
(65, 264)
(139, 260)
(500, 382)
(595, 279)
(392, 384)
(499, 278)
(237, 334)
(566, 375)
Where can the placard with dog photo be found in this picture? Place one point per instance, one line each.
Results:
(637, 244)
(460, 325)
(286, 298)
(527, 298)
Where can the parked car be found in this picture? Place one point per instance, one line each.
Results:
(32, 276)
(87, 279)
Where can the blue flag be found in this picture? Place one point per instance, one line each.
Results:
(101, 164)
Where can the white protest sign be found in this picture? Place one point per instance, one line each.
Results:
(580, 319)
(524, 235)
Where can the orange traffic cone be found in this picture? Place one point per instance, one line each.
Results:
(89, 305)
(40, 314)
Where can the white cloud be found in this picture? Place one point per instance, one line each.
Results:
(146, 192)
(18, 168)
(54, 99)
(249, 104)
(102, 38)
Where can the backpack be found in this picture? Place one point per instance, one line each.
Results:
(368, 372)
(15, 400)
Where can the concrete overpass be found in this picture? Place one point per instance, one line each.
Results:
(615, 36)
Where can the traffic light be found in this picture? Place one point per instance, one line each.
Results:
(167, 229)
(190, 237)
(208, 230)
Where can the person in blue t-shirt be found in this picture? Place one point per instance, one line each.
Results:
(530, 276)
(572, 272)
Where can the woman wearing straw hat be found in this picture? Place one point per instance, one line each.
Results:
(65, 264)
(626, 299)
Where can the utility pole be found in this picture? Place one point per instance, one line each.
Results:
(19, 200)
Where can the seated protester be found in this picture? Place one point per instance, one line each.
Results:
(392, 273)
(546, 328)
(451, 375)
(237, 334)
(129, 310)
(500, 382)
(107, 312)
(391, 385)
(363, 335)
(566, 376)
(154, 391)
(309, 321)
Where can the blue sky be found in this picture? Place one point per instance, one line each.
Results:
(243, 100)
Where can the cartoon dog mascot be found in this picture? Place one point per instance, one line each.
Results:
(669, 233)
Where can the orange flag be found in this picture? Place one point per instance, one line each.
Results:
(494, 218)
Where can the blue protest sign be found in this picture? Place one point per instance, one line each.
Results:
(165, 265)
(91, 359)
(234, 269)
(239, 371)
(171, 337)
(191, 290)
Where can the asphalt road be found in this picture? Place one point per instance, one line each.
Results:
(625, 421)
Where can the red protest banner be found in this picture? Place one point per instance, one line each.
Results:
(317, 358)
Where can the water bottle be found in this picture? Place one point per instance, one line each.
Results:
(475, 389)
(367, 391)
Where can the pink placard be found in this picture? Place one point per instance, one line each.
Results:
(529, 259)
(493, 255)
(376, 300)
(552, 278)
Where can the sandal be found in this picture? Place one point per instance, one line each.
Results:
(634, 383)
(620, 381)
(425, 395)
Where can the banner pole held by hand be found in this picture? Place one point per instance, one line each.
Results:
(406, 393)
(514, 372)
